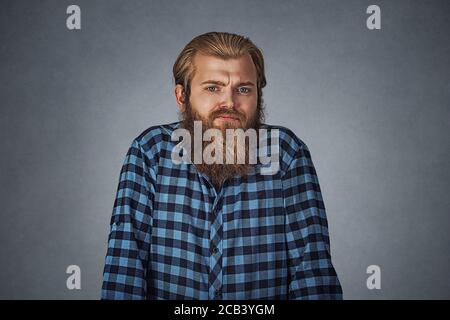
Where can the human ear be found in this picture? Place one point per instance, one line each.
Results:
(180, 97)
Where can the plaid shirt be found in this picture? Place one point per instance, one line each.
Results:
(173, 236)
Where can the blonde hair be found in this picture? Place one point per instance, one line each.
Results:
(223, 45)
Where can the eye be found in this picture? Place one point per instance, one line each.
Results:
(244, 90)
(211, 88)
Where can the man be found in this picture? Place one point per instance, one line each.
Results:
(194, 229)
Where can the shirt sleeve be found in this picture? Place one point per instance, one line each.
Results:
(311, 273)
(125, 271)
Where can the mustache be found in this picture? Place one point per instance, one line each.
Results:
(221, 113)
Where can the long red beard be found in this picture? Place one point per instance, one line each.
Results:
(219, 172)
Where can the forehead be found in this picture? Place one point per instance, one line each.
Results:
(214, 68)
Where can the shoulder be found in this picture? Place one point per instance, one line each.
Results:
(290, 145)
(155, 141)
(156, 134)
(289, 141)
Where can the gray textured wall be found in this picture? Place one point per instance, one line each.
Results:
(373, 107)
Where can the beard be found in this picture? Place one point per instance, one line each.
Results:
(219, 172)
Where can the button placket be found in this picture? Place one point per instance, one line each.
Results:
(215, 276)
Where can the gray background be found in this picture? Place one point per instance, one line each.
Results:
(373, 107)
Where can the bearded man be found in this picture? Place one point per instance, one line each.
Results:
(221, 230)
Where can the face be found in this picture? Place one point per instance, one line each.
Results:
(223, 92)
(223, 95)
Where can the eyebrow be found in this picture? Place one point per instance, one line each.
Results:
(220, 83)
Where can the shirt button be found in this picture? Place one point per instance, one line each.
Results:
(215, 249)
(217, 293)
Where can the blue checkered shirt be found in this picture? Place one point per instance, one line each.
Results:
(173, 236)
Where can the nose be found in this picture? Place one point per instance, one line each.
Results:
(228, 99)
